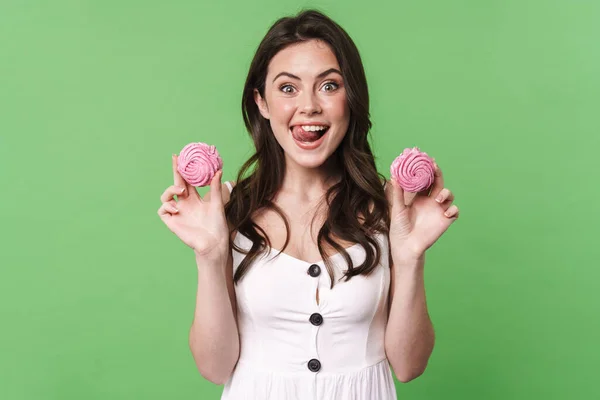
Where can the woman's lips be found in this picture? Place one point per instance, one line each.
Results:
(307, 135)
(300, 137)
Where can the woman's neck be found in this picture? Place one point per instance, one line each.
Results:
(310, 182)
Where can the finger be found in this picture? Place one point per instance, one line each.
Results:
(170, 192)
(452, 212)
(409, 197)
(167, 210)
(398, 197)
(177, 178)
(215, 190)
(191, 191)
(444, 196)
(438, 181)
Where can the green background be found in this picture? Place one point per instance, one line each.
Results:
(97, 295)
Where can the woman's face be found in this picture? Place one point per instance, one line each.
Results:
(305, 102)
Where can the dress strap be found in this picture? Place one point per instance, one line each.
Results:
(229, 186)
(385, 184)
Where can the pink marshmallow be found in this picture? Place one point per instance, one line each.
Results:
(414, 170)
(198, 163)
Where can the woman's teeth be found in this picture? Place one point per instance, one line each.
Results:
(314, 128)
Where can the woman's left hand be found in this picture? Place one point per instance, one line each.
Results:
(416, 227)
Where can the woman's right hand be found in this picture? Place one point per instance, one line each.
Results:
(199, 223)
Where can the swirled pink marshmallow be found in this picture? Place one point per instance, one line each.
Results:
(198, 163)
(414, 170)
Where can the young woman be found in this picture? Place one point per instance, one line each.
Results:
(310, 267)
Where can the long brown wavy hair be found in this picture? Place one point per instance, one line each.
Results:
(357, 205)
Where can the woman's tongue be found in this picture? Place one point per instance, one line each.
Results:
(306, 136)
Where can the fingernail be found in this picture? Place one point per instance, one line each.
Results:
(438, 199)
(181, 190)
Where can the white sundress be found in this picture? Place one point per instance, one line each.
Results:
(293, 348)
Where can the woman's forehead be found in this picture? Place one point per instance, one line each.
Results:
(305, 60)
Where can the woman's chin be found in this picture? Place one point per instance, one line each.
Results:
(308, 160)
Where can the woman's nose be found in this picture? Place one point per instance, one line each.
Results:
(309, 103)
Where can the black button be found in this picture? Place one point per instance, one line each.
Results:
(314, 270)
(314, 365)
(316, 319)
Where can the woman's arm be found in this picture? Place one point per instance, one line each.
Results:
(214, 338)
(409, 336)
(417, 221)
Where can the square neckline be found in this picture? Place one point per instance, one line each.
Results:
(281, 252)
(272, 250)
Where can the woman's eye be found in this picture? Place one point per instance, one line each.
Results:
(330, 86)
(287, 89)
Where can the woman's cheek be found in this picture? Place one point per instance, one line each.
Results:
(288, 107)
(336, 106)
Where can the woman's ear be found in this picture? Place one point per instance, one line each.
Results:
(262, 104)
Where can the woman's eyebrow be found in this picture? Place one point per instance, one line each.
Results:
(321, 75)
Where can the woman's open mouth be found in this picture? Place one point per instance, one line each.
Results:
(309, 137)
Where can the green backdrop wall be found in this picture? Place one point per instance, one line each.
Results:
(96, 294)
